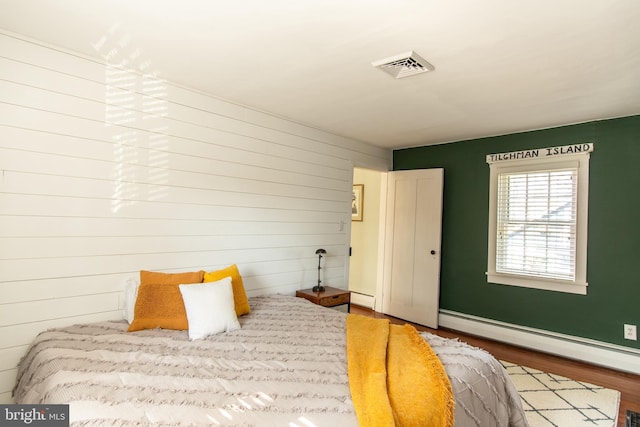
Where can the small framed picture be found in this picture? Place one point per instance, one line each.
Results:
(356, 202)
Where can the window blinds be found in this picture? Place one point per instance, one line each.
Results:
(536, 223)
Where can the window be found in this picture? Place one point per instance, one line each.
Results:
(538, 218)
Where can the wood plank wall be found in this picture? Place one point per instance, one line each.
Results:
(105, 171)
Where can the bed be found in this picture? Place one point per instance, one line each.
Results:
(285, 366)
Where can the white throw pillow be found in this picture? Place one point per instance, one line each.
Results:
(210, 308)
(130, 295)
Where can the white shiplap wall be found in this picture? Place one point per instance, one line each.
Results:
(105, 172)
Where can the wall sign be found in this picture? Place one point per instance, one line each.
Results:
(586, 147)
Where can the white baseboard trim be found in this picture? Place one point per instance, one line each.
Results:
(363, 300)
(587, 350)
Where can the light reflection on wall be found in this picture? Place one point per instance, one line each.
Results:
(136, 109)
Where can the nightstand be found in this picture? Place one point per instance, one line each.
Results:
(330, 297)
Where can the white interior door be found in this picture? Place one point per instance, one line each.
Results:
(411, 280)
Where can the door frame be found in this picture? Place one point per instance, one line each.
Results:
(368, 299)
(379, 296)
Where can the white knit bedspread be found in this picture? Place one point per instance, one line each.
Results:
(285, 367)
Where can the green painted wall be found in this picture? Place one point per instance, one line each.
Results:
(613, 265)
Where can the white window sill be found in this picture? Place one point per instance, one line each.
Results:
(579, 288)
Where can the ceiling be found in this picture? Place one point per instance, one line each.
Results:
(501, 66)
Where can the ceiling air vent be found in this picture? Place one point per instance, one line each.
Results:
(404, 65)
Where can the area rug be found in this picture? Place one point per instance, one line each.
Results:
(553, 401)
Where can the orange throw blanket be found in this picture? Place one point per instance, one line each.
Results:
(395, 377)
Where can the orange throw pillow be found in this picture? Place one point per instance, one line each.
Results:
(159, 303)
(240, 300)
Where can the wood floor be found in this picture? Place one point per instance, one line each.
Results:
(628, 384)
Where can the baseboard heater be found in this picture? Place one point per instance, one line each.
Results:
(364, 300)
(591, 351)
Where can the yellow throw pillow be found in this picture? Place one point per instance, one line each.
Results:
(240, 300)
(159, 303)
